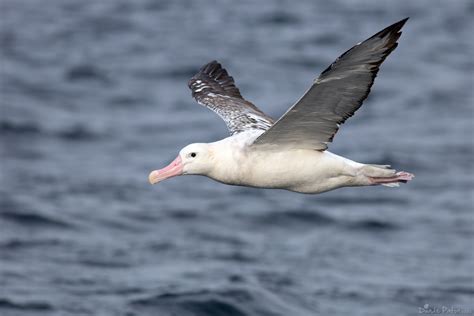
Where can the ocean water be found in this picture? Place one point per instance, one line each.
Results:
(93, 97)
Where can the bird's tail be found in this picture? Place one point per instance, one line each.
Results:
(382, 174)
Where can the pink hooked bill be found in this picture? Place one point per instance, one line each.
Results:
(172, 170)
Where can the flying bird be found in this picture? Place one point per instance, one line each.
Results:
(291, 152)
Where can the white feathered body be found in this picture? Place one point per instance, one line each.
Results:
(301, 170)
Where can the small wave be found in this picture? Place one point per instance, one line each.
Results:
(19, 128)
(191, 303)
(280, 18)
(359, 200)
(464, 290)
(418, 296)
(183, 214)
(33, 219)
(77, 133)
(112, 263)
(294, 217)
(6, 303)
(237, 256)
(16, 244)
(160, 246)
(240, 301)
(86, 72)
(213, 307)
(372, 225)
(229, 239)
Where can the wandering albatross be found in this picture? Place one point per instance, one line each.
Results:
(289, 153)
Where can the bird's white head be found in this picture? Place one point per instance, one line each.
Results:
(192, 159)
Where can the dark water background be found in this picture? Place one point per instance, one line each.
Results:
(94, 96)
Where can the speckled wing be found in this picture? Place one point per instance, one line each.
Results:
(334, 97)
(215, 89)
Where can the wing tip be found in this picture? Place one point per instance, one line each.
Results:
(218, 77)
(210, 67)
(392, 30)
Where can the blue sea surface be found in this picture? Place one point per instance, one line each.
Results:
(94, 96)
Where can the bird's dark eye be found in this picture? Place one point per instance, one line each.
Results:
(193, 155)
